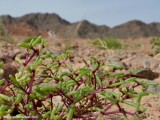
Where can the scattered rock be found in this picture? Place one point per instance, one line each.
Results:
(8, 53)
(147, 74)
(9, 69)
(154, 88)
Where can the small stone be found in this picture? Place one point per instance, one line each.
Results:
(146, 73)
(9, 70)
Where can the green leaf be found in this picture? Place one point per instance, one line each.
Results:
(78, 96)
(29, 69)
(133, 79)
(100, 117)
(117, 75)
(1, 71)
(130, 103)
(86, 90)
(93, 59)
(14, 80)
(62, 74)
(2, 110)
(110, 98)
(115, 66)
(85, 62)
(18, 59)
(20, 74)
(41, 75)
(139, 97)
(89, 77)
(28, 106)
(25, 45)
(95, 109)
(53, 113)
(57, 117)
(117, 95)
(10, 110)
(118, 84)
(46, 80)
(46, 115)
(5, 97)
(71, 112)
(19, 99)
(2, 81)
(57, 79)
(37, 62)
(99, 80)
(37, 41)
(1, 64)
(81, 75)
(33, 95)
(70, 84)
(72, 93)
(48, 88)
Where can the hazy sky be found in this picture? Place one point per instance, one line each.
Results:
(108, 12)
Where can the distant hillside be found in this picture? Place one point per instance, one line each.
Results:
(85, 29)
(135, 28)
(38, 23)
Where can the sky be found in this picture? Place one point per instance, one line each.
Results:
(101, 12)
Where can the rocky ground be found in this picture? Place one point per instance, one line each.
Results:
(137, 54)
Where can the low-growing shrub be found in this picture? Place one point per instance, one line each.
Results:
(156, 45)
(87, 92)
(155, 41)
(4, 35)
(108, 43)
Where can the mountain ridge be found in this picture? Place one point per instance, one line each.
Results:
(83, 28)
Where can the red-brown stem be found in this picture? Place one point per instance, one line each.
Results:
(30, 86)
(94, 80)
(51, 96)
(4, 87)
(74, 80)
(68, 97)
(31, 82)
(109, 106)
(48, 69)
(28, 59)
(121, 109)
(35, 107)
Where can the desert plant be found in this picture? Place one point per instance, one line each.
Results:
(63, 44)
(155, 41)
(87, 92)
(4, 35)
(155, 45)
(66, 45)
(108, 43)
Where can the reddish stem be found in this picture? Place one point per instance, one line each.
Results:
(29, 58)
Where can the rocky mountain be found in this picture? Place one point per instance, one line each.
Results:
(40, 23)
(135, 28)
(85, 29)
